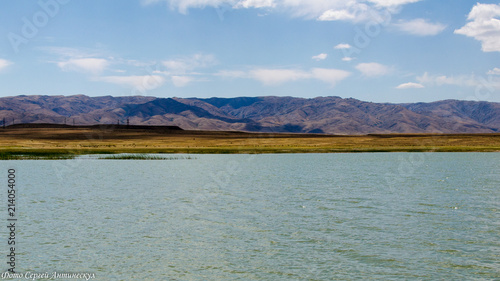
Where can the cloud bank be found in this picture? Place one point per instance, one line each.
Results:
(322, 10)
(278, 76)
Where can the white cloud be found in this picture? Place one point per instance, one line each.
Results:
(146, 82)
(484, 26)
(80, 60)
(342, 46)
(352, 11)
(89, 65)
(255, 4)
(320, 57)
(71, 53)
(4, 64)
(347, 59)
(330, 76)
(450, 80)
(326, 10)
(183, 65)
(439, 80)
(410, 85)
(420, 27)
(373, 69)
(184, 5)
(333, 15)
(134, 63)
(494, 71)
(392, 3)
(149, 2)
(176, 66)
(309, 9)
(278, 76)
(182, 71)
(231, 74)
(488, 84)
(181, 81)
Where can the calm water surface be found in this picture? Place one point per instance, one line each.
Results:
(394, 216)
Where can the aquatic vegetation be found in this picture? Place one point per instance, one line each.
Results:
(142, 157)
(34, 155)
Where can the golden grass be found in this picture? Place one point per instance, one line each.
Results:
(94, 140)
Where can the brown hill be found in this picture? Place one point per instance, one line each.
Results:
(331, 115)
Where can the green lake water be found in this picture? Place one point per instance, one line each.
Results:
(379, 216)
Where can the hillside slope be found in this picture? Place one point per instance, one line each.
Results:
(331, 115)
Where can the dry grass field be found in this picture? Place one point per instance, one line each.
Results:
(114, 139)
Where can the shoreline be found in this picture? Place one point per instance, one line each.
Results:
(57, 142)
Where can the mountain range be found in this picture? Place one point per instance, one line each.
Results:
(322, 115)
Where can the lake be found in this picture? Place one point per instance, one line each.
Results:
(379, 216)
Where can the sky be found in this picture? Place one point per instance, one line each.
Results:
(395, 51)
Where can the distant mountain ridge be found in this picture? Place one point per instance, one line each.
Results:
(330, 115)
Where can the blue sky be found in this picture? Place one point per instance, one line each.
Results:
(374, 50)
